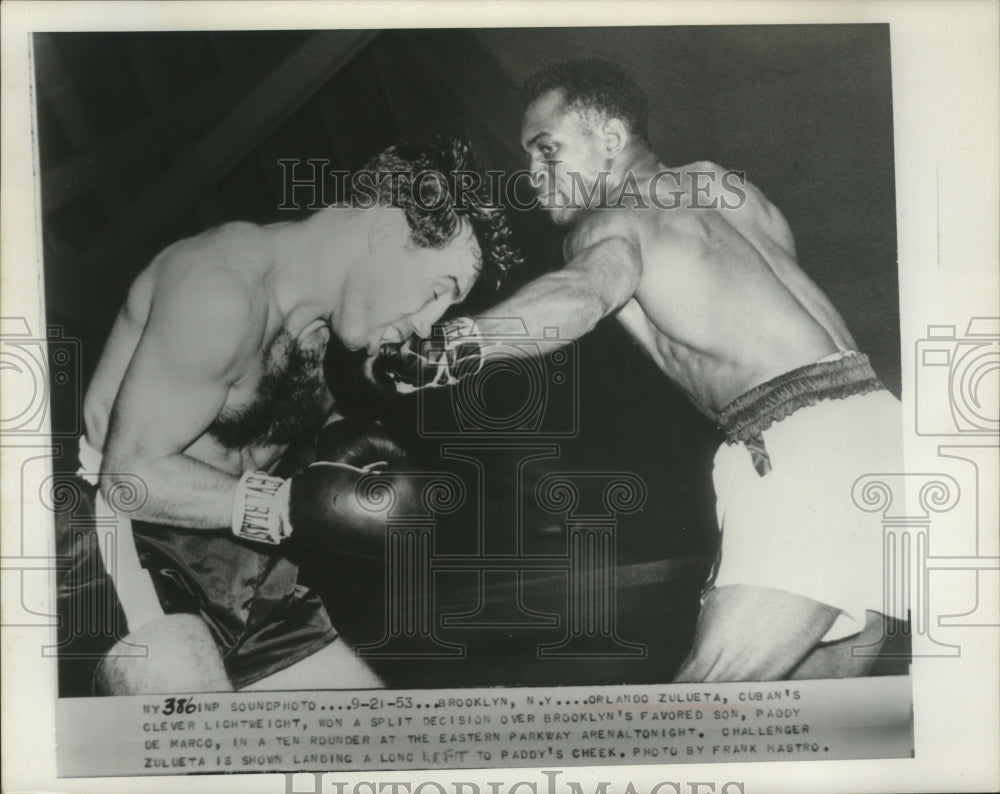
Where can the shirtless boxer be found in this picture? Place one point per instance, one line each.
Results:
(701, 269)
(213, 368)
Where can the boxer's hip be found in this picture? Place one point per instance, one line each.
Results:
(838, 377)
(261, 619)
(813, 432)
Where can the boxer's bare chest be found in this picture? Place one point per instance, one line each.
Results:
(710, 312)
(282, 397)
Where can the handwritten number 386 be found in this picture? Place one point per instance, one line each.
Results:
(179, 706)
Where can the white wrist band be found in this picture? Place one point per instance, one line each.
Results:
(460, 331)
(260, 508)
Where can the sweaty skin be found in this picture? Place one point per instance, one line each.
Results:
(214, 367)
(708, 279)
(216, 316)
(701, 269)
(710, 290)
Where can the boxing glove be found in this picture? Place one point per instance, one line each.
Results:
(321, 506)
(359, 442)
(453, 351)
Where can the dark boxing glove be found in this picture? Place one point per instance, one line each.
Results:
(360, 443)
(320, 507)
(453, 351)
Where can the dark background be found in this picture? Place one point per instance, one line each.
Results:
(145, 138)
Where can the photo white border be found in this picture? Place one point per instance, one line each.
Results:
(947, 123)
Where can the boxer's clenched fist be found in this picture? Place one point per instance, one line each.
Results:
(453, 351)
(320, 507)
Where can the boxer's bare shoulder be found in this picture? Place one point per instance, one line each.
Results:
(604, 248)
(716, 257)
(743, 205)
(200, 299)
(236, 252)
(738, 232)
(598, 225)
(224, 258)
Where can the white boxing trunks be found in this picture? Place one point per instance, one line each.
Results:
(783, 482)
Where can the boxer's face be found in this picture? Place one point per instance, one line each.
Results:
(409, 289)
(566, 155)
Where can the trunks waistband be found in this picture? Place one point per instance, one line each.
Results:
(749, 415)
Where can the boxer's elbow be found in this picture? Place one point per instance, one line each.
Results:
(123, 482)
(128, 479)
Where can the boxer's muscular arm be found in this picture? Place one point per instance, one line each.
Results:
(749, 633)
(602, 272)
(200, 335)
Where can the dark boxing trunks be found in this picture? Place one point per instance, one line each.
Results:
(261, 620)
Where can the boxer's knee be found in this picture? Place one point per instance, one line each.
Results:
(852, 657)
(333, 667)
(180, 656)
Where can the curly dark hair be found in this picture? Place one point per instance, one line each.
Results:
(423, 179)
(594, 83)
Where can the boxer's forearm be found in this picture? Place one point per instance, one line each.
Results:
(547, 313)
(551, 310)
(178, 490)
(568, 303)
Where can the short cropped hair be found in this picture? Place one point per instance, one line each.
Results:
(433, 212)
(597, 84)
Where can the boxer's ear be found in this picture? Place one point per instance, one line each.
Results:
(615, 135)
